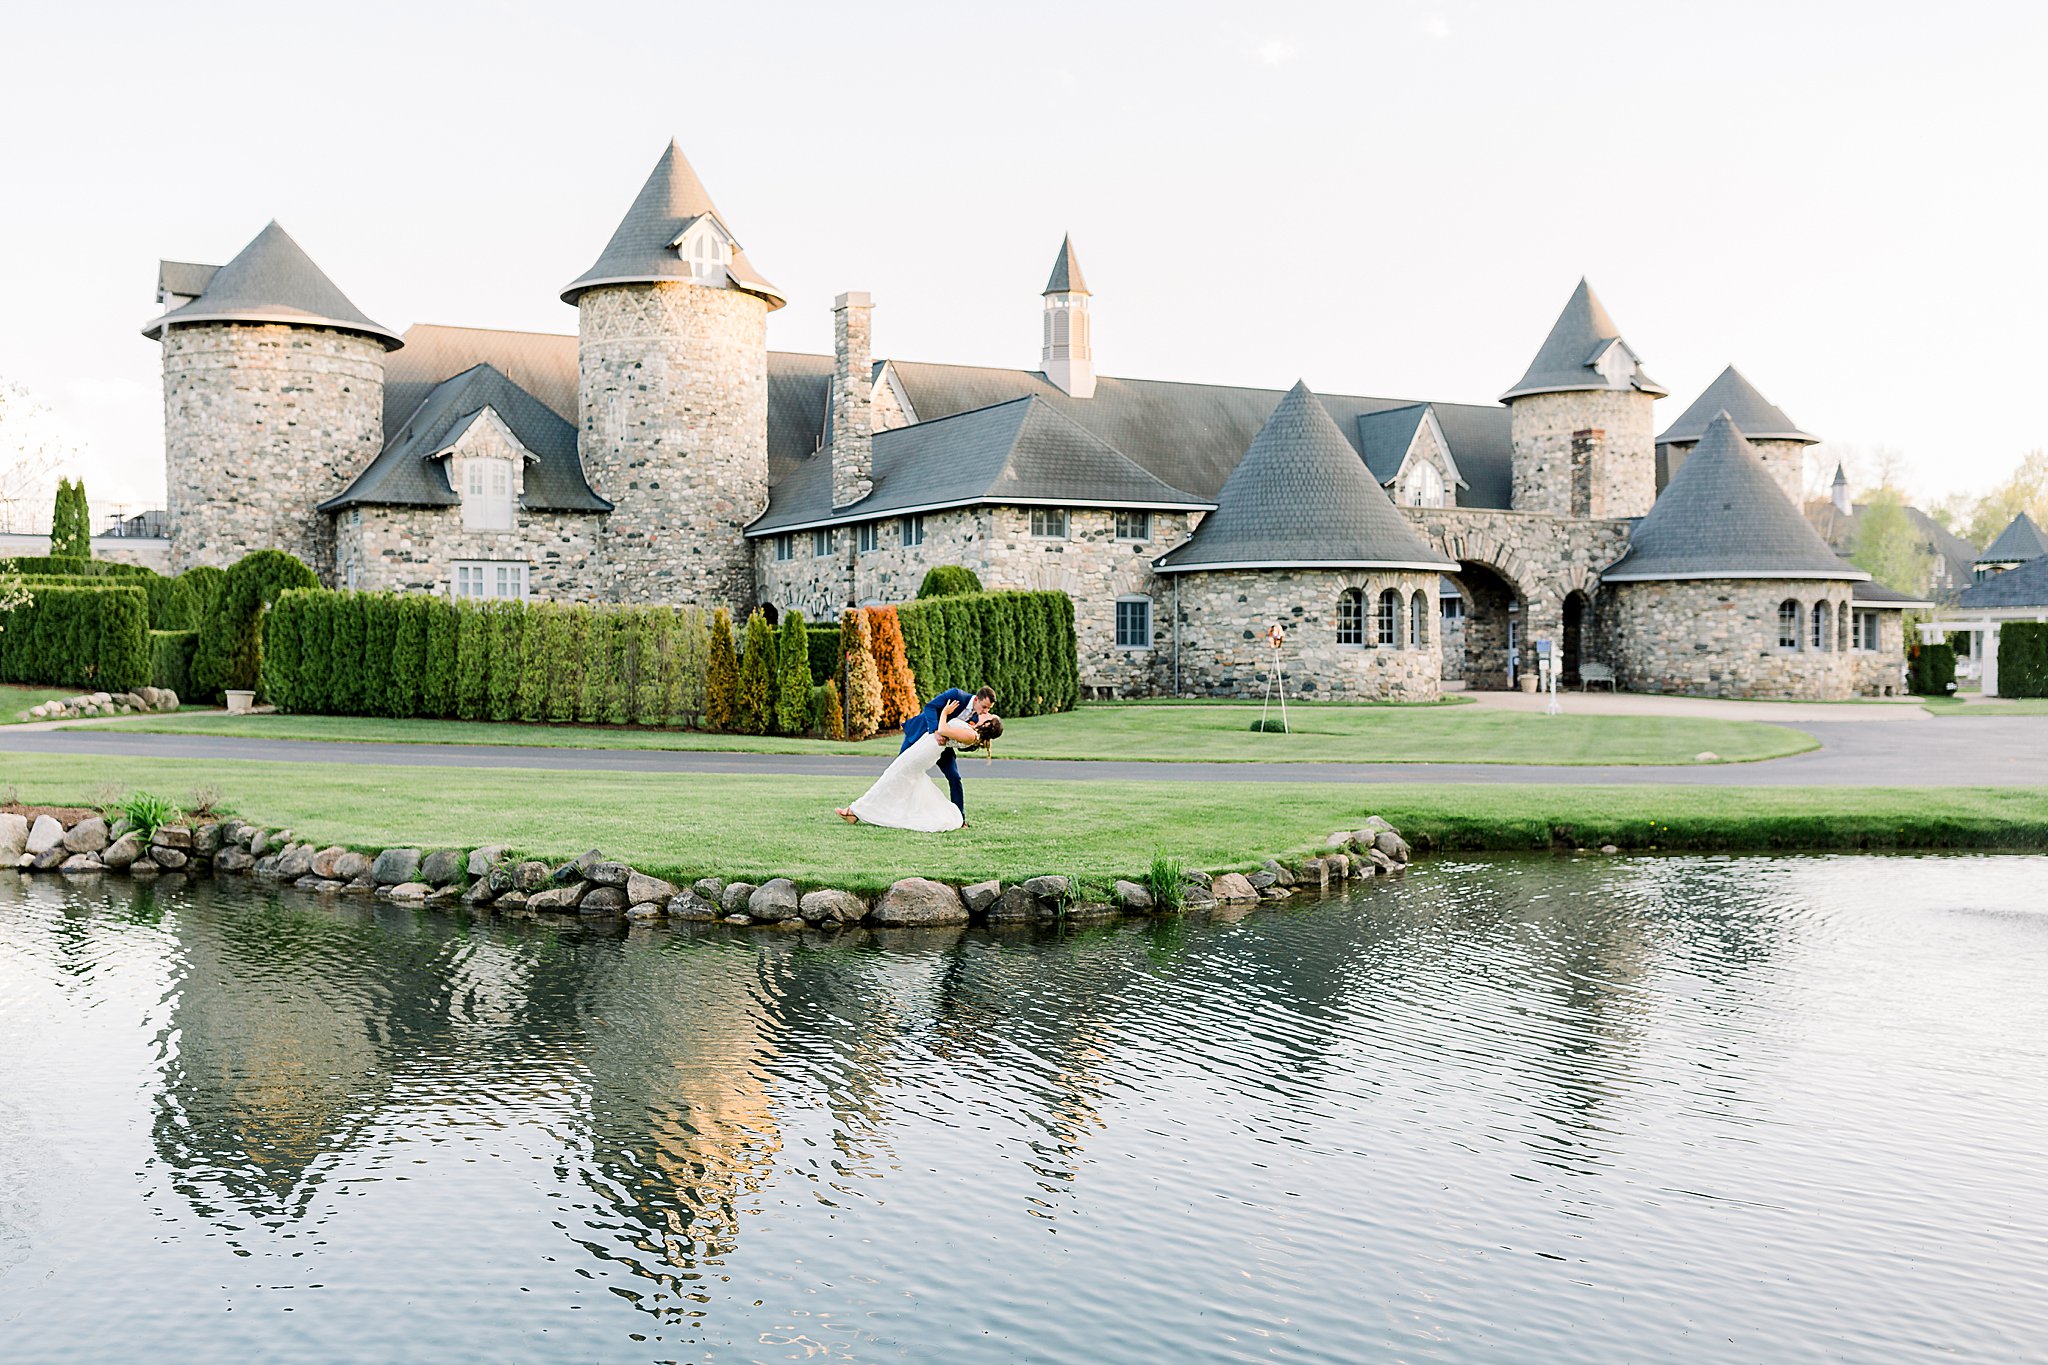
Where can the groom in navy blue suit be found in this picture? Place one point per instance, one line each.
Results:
(973, 706)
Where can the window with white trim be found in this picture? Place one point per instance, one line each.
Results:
(1788, 624)
(913, 529)
(1134, 622)
(785, 547)
(1424, 485)
(489, 579)
(821, 542)
(1390, 618)
(1134, 526)
(1820, 627)
(1351, 617)
(868, 537)
(1418, 621)
(1866, 631)
(1049, 523)
(486, 495)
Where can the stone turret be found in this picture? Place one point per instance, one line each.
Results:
(1580, 420)
(672, 387)
(1775, 437)
(1068, 353)
(273, 401)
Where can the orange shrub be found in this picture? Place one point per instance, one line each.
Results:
(892, 663)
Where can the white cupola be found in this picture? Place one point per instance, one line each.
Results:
(1068, 355)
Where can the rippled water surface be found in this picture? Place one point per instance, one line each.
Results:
(1533, 1110)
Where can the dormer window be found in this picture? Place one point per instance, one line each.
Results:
(486, 495)
(1616, 365)
(1422, 484)
(705, 248)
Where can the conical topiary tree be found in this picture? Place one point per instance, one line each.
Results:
(70, 522)
(892, 667)
(721, 677)
(863, 683)
(757, 677)
(793, 675)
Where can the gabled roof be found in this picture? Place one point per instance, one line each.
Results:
(1724, 516)
(1302, 497)
(186, 279)
(1951, 556)
(640, 251)
(1066, 272)
(1021, 452)
(2017, 543)
(409, 473)
(1756, 416)
(1875, 595)
(2025, 586)
(1577, 339)
(1385, 438)
(271, 280)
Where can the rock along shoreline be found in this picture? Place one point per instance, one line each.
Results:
(493, 879)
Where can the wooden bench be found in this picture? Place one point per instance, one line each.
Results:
(1595, 673)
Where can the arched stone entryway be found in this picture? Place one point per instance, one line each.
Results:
(1578, 636)
(1494, 639)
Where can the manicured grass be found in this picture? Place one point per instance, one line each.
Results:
(754, 827)
(15, 700)
(1988, 706)
(1324, 734)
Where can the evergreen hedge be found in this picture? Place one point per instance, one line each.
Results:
(1930, 669)
(2023, 659)
(168, 608)
(824, 650)
(947, 580)
(230, 652)
(1022, 644)
(70, 522)
(721, 677)
(93, 638)
(170, 659)
(793, 685)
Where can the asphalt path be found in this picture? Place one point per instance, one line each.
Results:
(2003, 751)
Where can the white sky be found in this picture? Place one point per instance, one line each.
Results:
(1845, 200)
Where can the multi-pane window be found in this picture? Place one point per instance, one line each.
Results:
(1134, 623)
(1134, 526)
(1390, 618)
(821, 542)
(1788, 625)
(1820, 626)
(486, 495)
(1418, 621)
(488, 579)
(868, 538)
(1425, 485)
(785, 548)
(1049, 523)
(913, 529)
(1351, 617)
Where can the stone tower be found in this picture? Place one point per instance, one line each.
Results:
(1776, 438)
(273, 401)
(1580, 420)
(1068, 353)
(672, 387)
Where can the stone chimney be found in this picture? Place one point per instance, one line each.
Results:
(1839, 493)
(852, 444)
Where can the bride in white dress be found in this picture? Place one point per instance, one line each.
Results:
(904, 798)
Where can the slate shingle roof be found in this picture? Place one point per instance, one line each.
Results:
(1724, 516)
(1565, 361)
(1873, 594)
(188, 279)
(273, 280)
(1384, 439)
(1066, 272)
(2023, 587)
(2017, 543)
(1302, 496)
(407, 474)
(639, 251)
(1955, 554)
(1024, 451)
(1756, 416)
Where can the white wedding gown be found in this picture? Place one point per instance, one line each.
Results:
(904, 798)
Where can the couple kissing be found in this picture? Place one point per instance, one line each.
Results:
(903, 797)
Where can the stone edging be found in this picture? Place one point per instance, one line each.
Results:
(593, 886)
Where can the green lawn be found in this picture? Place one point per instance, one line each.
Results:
(15, 700)
(1343, 734)
(752, 827)
(1988, 706)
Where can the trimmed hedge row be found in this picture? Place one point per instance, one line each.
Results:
(230, 653)
(1022, 644)
(170, 653)
(2023, 659)
(1930, 670)
(170, 599)
(86, 637)
(68, 566)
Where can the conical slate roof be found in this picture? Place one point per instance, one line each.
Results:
(640, 251)
(274, 280)
(2017, 543)
(1756, 416)
(1724, 516)
(1302, 497)
(1066, 272)
(1581, 334)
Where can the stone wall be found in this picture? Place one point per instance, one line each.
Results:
(1881, 672)
(1719, 638)
(1224, 616)
(261, 423)
(413, 549)
(672, 382)
(1621, 478)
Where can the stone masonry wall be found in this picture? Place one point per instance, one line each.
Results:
(672, 382)
(414, 549)
(1224, 617)
(1623, 476)
(1719, 638)
(261, 423)
(1881, 672)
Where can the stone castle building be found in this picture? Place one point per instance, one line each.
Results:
(663, 453)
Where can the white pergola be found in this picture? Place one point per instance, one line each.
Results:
(1982, 628)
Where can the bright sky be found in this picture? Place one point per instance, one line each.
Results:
(1845, 200)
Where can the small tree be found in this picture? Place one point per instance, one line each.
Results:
(757, 677)
(721, 677)
(70, 522)
(1887, 547)
(948, 580)
(863, 682)
(892, 666)
(831, 721)
(793, 675)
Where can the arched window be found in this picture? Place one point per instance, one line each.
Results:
(1390, 619)
(1351, 617)
(1418, 621)
(1425, 485)
(1788, 624)
(1842, 631)
(1823, 636)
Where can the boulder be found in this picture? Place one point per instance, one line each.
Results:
(176, 836)
(481, 860)
(710, 888)
(1609, 849)
(443, 867)
(148, 695)
(239, 833)
(48, 858)
(442, 895)
(352, 866)
(511, 900)
(1383, 862)
(502, 877)
(1315, 872)
(1393, 845)
(326, 860)
(1341, 839)
(688, 905)
(44, 835)
(1281, 876)
(603, 900)
(1201, 879)
(735, 919)
(234, 859)
(919, 900)
(832, 907)
(1014, 906)
(13, 836)
(82, 862)
(609, 873)
(143, 867)
(1133, 896)
(1197, 898)
(295, 862)
(263, 841)
(87, 836)
(266, 866)
(1233, 886)
(307, 882)
(480, 892)
(556, 898)
(578, 868)
(395, 866)
(530, 876)
(206, 840)
(980, 896)
(166, 699)
(123, 851)
(648, 911)
(1373, 825)
(169, 859)
(1262, 879)
(1339, 865)
(409, 891)
(773, 901)
(327, 886)
(642, 889)
(1051, 890)
(733, 900)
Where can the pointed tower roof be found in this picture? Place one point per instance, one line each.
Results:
(1302, 498)
(2017, 543)
(1569, 358)
(1756, 416)
(1066, 271)
(642, 249)
(1841, 479)
(274, 280)
(1724, 516)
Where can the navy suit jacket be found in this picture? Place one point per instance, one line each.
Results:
(924, 723)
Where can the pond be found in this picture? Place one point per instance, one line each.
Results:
(1652, 1108)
